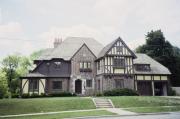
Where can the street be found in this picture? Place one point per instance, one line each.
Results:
(173, 115)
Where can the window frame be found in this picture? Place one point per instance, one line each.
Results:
(85, 66)
(117, 82)
(119, 62)
(89, 83)
(143, 67)
(60, 84)
(33, 85)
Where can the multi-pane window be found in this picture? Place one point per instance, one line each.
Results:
(33, 84)
(98, 65)
(142, 67)
(89, 83)
(119, 83)
(57, 85)
(119, 62)
(85, 65)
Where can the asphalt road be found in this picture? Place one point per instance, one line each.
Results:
(173, 115)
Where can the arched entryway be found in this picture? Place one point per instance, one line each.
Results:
(78, 86)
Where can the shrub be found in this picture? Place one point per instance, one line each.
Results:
(171, 92)
(15, 95)
(121, 92)
(25, 95)
(62, 94)
(34, 95)
(99, 94)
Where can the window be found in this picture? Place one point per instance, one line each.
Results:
(119, 48)
(85, 66)
(57, 84)
(33, 84)
(119, 83)
(142, 67)
(89, 83)
(119, 62)
(98, 65)
(57, 65)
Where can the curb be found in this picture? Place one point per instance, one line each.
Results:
(138, 114)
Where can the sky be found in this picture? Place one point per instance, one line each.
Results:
(29, 25)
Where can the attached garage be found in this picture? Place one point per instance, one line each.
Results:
(144, 88)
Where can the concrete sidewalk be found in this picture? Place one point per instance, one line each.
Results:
(44, 113)
(120, 111)
(117, 111)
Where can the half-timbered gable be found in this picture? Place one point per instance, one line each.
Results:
(115, 66)
(115, 58)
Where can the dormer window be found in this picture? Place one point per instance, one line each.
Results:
(142, 67)
(57, 64)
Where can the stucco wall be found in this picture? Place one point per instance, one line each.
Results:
(42, 84)
(25, 85)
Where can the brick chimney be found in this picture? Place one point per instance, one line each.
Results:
(57, 42)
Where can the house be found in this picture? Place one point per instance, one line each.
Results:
(84, 66)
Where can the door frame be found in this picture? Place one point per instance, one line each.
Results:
(78, 89)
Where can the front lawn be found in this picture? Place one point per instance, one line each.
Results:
(23, 106)
(143, 101)
(66, 115)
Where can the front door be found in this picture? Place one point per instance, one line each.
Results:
(78, 86)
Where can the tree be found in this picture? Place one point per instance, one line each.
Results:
(162, 51)
(15, 66)
(3, 84)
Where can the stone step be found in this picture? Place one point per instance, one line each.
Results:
(102, 103)
(104, 107)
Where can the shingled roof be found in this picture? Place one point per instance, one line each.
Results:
(156, 67)
(70, 46)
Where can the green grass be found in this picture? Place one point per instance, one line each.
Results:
(155, 109)
(66, 115)
(22, 106)
(143, 101)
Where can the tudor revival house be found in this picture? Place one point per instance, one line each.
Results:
(83, 66)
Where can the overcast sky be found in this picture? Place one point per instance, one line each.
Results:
(29, 25)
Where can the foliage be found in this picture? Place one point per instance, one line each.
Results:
(15, 66)
(171, 92)
(35, 95)
(3, 84)
(120, 92)
(162, 51)
(99, 94)
(25, 95)
(62, 94)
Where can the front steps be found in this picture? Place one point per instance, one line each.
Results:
(103, 103)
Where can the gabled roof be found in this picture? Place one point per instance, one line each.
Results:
(105, 50)
(70, 46)
(156, 67)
